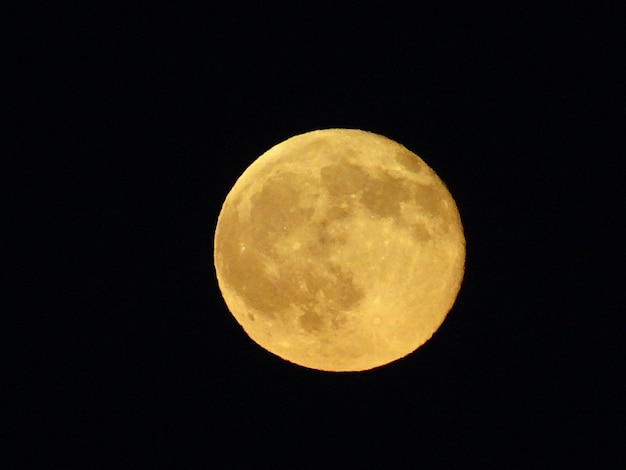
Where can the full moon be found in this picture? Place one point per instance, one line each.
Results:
(339, 250)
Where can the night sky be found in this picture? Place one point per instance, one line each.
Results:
(128, 127)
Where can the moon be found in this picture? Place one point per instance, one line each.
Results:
(339, 250)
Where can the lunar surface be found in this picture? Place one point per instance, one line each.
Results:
(339, 250)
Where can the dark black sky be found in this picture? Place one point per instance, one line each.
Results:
(127, 128)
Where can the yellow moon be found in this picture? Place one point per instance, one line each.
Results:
(339, 250)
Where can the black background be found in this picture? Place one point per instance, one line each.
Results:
(127, 128)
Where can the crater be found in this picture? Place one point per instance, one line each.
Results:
(383, 195)
(420, 232)
(278, 209)
(429, 198)
(343, 180)
(246, 272)
(330, 291)
(311, 321)
(408, 161)
(338, 212)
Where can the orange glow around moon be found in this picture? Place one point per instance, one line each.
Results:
(339, 250)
